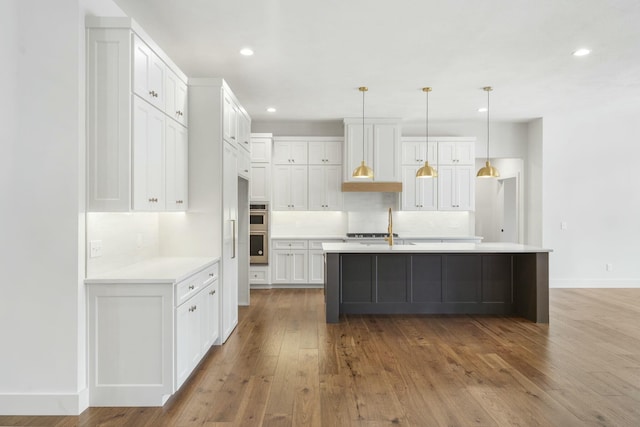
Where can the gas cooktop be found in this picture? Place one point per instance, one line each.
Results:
(369, 235)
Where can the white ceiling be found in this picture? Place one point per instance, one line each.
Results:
(311, 56)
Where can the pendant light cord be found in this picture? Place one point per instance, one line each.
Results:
(363, 156)
(489, 90)
(427, 125)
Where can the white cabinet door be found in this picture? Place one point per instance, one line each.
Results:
(176, 161)
(148, 74)
(298, 266)
(316, 267)
(298, 180)
(415, 153)
(289, 188)
(355, 152)
(176, 98)
(281, 188)
(465, 177)
(188, 334)
(261, 150)
(244, 131)
(229, 240)
(386, 152)
(259, 182)
(148, 157)
(229, 119)
(290, 152)
(280, 266)
(325, 152)
(244, 164)
(456, 188)
(410, 200)
(210, 318)
(456, 153)
(325, 188)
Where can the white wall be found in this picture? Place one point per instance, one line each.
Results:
(534, 185)
(42, 313)
(591, 183)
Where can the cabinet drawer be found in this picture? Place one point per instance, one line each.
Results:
(191, 285)
(289, 244)
(258, 276)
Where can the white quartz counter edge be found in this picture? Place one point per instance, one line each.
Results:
(401, 237)
(154, 270)
(432, 248)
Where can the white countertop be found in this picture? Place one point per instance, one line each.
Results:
(344, 237)
(308, 237)
(354, 247)
(154, 270)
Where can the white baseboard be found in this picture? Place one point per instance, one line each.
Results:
(289, 286)
(594, 283)
(44, 404)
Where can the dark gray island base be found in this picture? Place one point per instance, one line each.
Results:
(437, 283)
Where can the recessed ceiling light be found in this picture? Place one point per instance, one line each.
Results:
(246, 52)
(271, 110)
(581, 52)
(482, 110)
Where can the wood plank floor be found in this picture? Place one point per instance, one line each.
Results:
(284, 366)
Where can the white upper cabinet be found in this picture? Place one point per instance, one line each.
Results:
(149, 74)
(287, 152)
(381, 149)
(289, 187)
(325, 188)
(456, 153)
(418, 194)
(456, 188)
(176, 161)
(415, 153)
(325, 152)
(244, 130)
(176, 98)
(135, 94)
(230, 118)
(261, 148)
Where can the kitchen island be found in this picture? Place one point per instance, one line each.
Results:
(436, 278)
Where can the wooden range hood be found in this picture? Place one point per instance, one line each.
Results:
(372, 187)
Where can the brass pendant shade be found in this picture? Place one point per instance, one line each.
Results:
(427, 171)
(362, 171)
(488, 171)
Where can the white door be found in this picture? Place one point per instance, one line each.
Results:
(229, 241)
(280, 266)
(281, 188)
(148, 74)
(317, 189)
(316, 267)
(298, 262)
(260, 182)
(333, 187)
(508, 210)
(386, 149)
(446, 187)
(465, 191)
(409, 188)
(298, 184)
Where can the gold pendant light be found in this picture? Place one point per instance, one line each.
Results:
(363, 171)
(488, 171)
(427, 171)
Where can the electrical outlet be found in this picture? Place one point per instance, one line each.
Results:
(95, 248)
(609, 267)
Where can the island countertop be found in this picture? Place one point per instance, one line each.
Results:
(383, 247)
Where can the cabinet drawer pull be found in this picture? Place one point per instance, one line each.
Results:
(211, 274)
(233, 137)
(153, 200)
(213, 292)
(192, 287)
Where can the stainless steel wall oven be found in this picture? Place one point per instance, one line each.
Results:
(259, 234)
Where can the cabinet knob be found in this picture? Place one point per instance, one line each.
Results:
(191, 287)
(153, 200)
(233, 137)
(210, 274)
(212, 292)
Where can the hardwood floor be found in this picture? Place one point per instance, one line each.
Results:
(285, 366)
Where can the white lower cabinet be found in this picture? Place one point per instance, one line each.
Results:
(290, 262)
(259, 275)
(145, 339)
